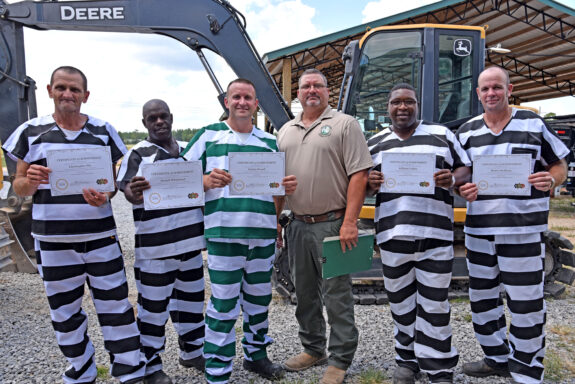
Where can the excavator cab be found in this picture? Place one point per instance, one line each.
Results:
(442, 63)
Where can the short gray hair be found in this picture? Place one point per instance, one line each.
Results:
(312, 71)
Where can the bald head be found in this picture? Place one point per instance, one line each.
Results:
(154, 104)
(493, 71)
(494, 90)
(158, 121)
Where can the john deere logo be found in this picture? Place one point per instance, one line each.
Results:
(325, 130)
(462, 47)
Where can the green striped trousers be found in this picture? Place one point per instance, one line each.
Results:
(240, 272)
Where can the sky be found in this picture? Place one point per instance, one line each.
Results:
(125, 70)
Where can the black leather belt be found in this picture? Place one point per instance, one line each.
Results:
(329, 216)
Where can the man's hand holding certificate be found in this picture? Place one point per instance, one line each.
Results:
(173, 185)
(502, 174)
(76, 169)
(408, 172)
(257, 173)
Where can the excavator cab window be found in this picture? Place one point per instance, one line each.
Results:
(387, 58)
(454, 85)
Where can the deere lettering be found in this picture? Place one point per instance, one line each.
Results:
(96, 13)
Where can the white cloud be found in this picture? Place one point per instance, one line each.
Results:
(125, 70)
(383, 8)
(559, 106)
(123, 73)
(276, 24)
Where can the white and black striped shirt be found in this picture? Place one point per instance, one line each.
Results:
(163, 232)
(417, 216)
(64, 218)
(526, 132)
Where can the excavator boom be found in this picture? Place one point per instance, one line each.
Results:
(199, 24)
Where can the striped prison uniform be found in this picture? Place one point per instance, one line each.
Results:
(503, 237)
(75, 243)
(168, 267)
(415, 236)
(240, 233)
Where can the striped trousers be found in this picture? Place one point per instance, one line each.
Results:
(65, 268)
(170, 287)
(516, 264)
(417, 275)
(240, 272)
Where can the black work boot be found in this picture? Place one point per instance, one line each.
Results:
(265, 368)
(158, 377)
(482, 369)
(198, 362)
(403, 375)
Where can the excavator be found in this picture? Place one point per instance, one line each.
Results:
(442, 62)
(213, 25)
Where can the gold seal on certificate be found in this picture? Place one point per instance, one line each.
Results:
(482, 185)
(76, 169)
(173, 185)
(502, 175)
(408, 172)
(257, 173)
(155, 198)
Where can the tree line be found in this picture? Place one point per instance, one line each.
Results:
(137, 136)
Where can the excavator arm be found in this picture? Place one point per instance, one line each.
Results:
(199, 24)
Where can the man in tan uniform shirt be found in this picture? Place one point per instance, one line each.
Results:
(327, 152)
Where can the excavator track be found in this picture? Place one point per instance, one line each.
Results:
(16, 243)
(368, 288)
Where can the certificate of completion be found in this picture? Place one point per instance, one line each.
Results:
(502, 174)
(173, 185)
(408, 172)
(75, 169)
(257, 173)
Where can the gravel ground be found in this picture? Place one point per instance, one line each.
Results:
(30, 354)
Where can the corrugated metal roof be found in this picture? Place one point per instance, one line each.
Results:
(539, 33)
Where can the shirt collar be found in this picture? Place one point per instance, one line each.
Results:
(328, 113)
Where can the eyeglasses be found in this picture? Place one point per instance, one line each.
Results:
(307, 87)
(408, 103)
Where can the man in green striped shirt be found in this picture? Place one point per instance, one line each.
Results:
(240, 235)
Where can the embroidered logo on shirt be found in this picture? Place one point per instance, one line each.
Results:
(325, 130)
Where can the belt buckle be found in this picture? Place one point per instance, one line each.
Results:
(309, 218)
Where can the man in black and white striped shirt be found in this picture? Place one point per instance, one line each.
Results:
(414, 232)
(503, 234)
(75, 235)
(168, 267)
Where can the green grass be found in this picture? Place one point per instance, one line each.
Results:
(313, 380)
(560, 228)
(559, 362)
(459, 300)
(103, 373)
(562, 206)
(372, 376)
(553, 366)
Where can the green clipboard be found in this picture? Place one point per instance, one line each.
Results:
(336, 263)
